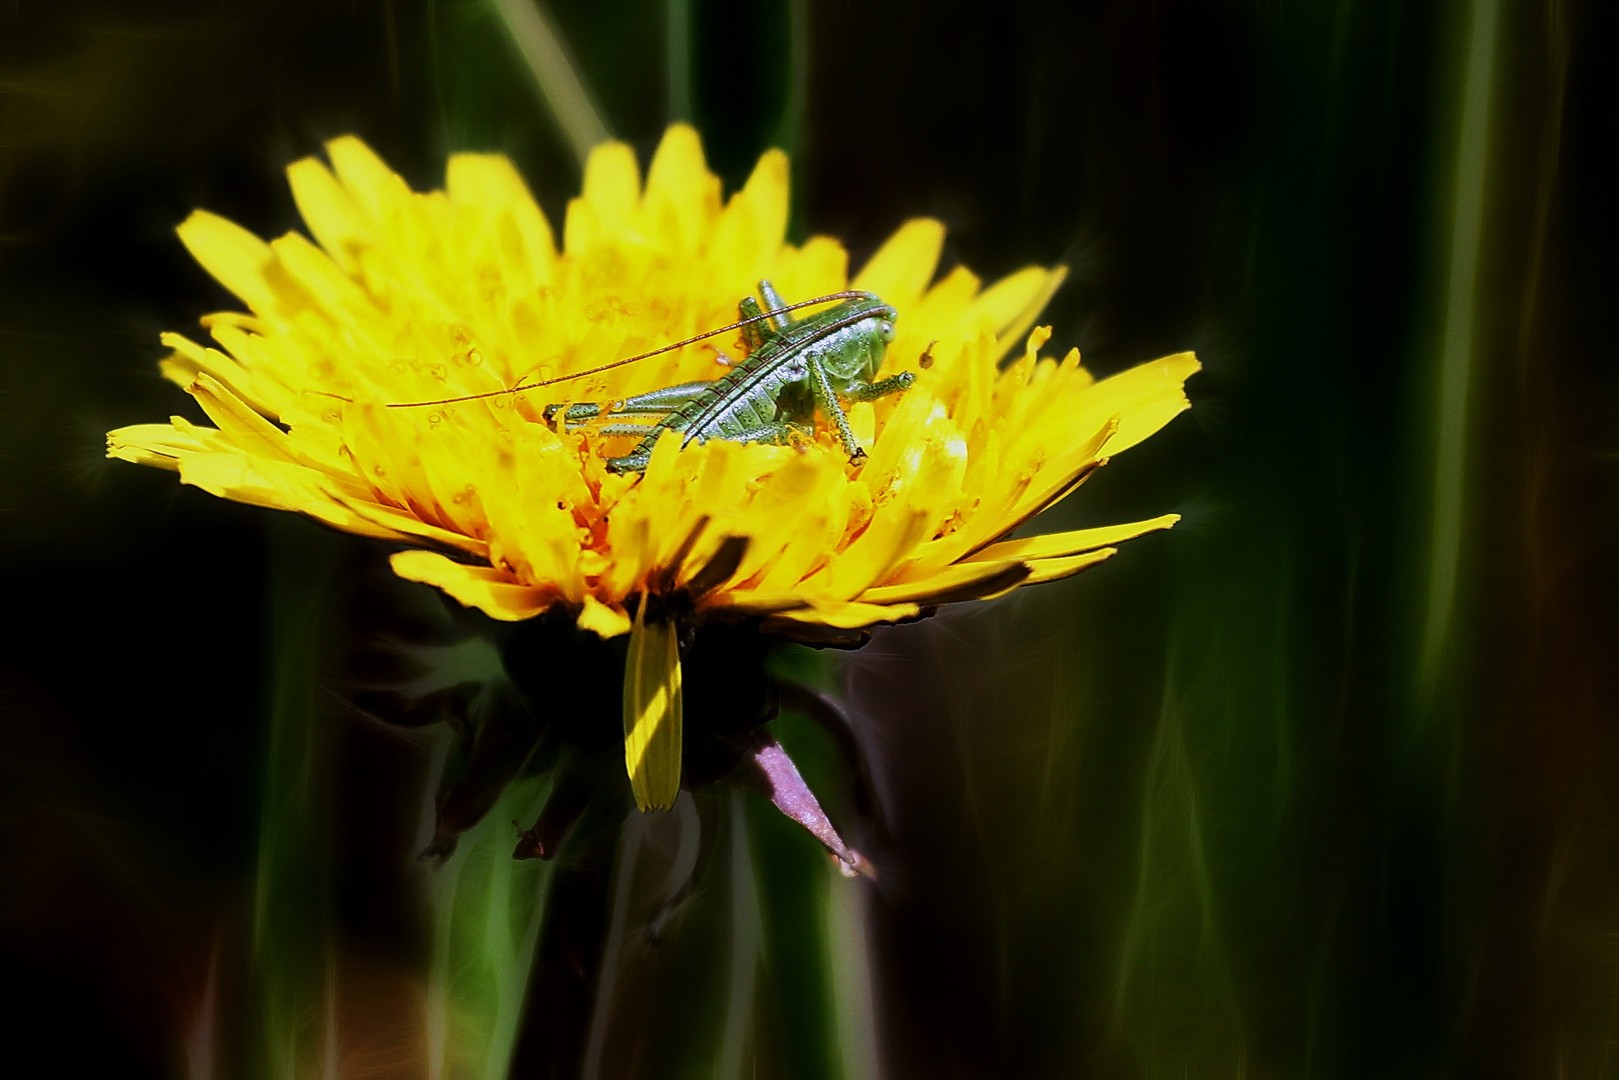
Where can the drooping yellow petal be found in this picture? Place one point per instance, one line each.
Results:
(482, 587)
(335, 507)
(851, 616)
(653, 708)
(602, 620)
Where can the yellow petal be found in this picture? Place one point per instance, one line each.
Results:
(375, 188)
(606, 207)
(319, 276)
(963, 581)
(1043, 570)
(233, 476)
(887, 540)
(1010, 306)
(481, 587)
(653, 712)
(1054, 481)
(902, 267)
(1144, 398)
(206, 459)
(190, 360)
(252, 432)
(492, 184)
(850, 616)
(399, 523)
(602, 620)
(238, 259)
(946, 308)
(150, 444)
(682, 196)
(749, 232)
(821, 266)
(280, 486)
(1055, 545)
(327, 209)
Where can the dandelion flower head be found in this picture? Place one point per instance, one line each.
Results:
(399, 296)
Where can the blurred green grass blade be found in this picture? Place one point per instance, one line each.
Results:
(854, 1019)
(736, 1036)
(560, 83)
(670, 939)
(1457, 350)
(795, 78)
(1173, 972)
(847, 1022)
(487, 913)
(486, 908)
(292, 944)
(799, 985)
(633, 838)
(815, 947)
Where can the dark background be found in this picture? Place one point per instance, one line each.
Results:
(1275, 794)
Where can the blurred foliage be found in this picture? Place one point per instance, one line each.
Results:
(1320, 783)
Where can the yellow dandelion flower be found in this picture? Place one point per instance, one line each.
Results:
(405, 297)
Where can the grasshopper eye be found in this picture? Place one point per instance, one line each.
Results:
(885, 330)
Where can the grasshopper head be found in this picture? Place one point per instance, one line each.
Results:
(864, 344)
(882, 335)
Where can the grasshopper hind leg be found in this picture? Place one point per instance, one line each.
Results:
(664, 400)
(774, 302)
(767, 321)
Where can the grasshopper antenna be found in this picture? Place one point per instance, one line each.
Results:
(739, 324)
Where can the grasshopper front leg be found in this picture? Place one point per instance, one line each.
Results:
(865, 391)
(827, 399)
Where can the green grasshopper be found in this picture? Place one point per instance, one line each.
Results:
(792, 368)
